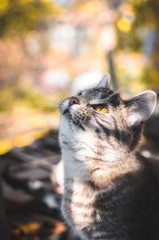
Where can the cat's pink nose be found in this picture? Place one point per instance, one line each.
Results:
(73, 100)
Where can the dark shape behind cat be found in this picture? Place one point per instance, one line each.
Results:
(110, 191)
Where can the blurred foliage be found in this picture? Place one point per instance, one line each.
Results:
(39, 27)
(137, 28)
(7, 99)
(136, 16)
(18, 16)
(15, 95)
(150, 76)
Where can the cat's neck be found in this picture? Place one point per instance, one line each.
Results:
(101, 173)
(105, 175)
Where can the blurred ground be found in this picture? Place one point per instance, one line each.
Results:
(32, 191)
(32, 195)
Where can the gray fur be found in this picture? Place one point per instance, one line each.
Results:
(110, 191)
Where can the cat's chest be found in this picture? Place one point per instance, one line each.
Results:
(78, 203)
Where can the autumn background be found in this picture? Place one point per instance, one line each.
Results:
(45, 45)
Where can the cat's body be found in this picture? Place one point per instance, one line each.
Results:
(110, 191)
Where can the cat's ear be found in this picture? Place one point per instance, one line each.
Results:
(141, 107)
(105, 81)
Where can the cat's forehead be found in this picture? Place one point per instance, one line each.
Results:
(95, 93)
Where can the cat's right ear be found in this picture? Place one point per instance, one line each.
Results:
(141, 107)
(105, 81)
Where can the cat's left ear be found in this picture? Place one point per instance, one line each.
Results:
(141, 107)
(105, 81)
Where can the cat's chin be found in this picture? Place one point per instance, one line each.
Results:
(72, 121)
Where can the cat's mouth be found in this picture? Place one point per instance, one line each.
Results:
(73, 119)
(67, 114)
(64, 108)
(66, 105)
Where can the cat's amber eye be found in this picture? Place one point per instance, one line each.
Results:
(101, 109)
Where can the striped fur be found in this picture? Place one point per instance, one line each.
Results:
(110, 192)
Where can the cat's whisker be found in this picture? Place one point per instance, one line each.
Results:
(48, 100)
(46, 107)
(48, 97)
(57, 98)
(117, 92)
(42, 104)
(62, 96)
(51, 107)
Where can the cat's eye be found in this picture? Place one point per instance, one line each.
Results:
(101, 109)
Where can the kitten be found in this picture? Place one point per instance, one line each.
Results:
(110, 191)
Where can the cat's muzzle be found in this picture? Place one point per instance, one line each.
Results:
(64, 106)
(74, 110)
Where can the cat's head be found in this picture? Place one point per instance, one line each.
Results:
(101, 119)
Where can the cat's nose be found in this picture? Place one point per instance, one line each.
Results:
(73, 100)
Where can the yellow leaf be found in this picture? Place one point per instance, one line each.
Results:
(3, 4)
(124, 25)
(5, 145)
(33, 226)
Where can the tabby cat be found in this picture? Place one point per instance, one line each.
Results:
(110, 191)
